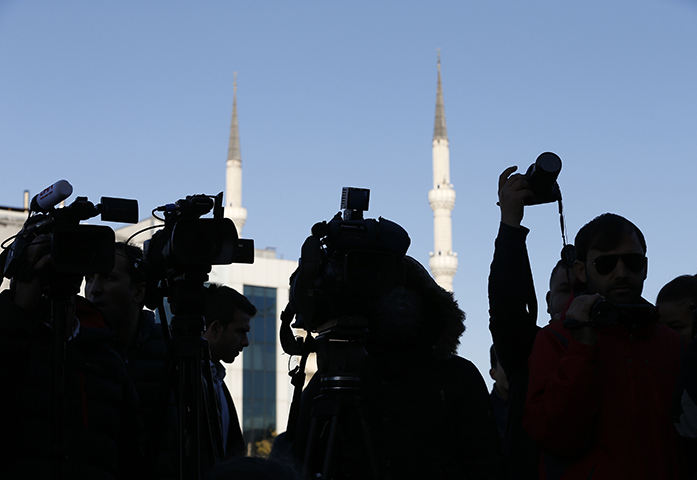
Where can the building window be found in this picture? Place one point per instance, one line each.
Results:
(259, 372)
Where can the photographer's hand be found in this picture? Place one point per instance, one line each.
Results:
(28, 293)
(513, 191)
(580, 310)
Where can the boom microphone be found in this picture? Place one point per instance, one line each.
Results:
(48, 198)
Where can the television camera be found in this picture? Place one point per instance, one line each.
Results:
(187, 247)
(344, 267)
(75, 249)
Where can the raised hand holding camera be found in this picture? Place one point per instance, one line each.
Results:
(514, 191)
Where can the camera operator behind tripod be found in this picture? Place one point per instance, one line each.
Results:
(391, 399)
(94, 431)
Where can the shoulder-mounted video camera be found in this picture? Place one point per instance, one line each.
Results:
(346, 257)
(188, 243)
(75, 249)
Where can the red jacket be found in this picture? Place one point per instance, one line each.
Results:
(603, 412)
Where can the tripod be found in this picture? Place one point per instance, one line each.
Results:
(187, 374)
(341, 356)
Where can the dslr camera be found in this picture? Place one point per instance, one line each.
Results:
(542, 177)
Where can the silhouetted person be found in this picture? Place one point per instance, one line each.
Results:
(499, 393)
(120, 296)
(228, 314)
(95, 433)
(600, 390)
(428, 410)
(677, 302)
(513, 317)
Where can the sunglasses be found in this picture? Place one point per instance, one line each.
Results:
(605, 264)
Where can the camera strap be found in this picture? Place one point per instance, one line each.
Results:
(568, 251)
(297, 346)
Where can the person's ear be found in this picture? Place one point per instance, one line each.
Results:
(215, 328)
(547, 298)
(139, 297)
(580, 271)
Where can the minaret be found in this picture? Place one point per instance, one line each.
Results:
(443, 261)
(233, 176)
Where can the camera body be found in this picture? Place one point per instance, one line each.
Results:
(346, 258)
(542, 177)
(189, 244)
(605, 313)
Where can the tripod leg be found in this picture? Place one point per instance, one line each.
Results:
(211, 409)
(330, 446)
(370, 447)
(310, 447)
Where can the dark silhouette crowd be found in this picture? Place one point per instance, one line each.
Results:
(606, 389)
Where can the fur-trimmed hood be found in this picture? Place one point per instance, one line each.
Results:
(419, 316)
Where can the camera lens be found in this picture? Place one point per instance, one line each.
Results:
(549, 163)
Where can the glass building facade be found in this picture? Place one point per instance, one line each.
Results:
(259, 369)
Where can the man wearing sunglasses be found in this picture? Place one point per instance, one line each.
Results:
(600, 390)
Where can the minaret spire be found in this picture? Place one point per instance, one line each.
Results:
(234, 147)
(443, 261)
(233, 176)
(440, 131)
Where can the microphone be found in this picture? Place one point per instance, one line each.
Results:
(48, 198)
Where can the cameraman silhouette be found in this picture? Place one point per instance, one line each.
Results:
(428, 411)
(601, 382)
(94, 431)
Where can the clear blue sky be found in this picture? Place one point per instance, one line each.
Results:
(133, 99)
